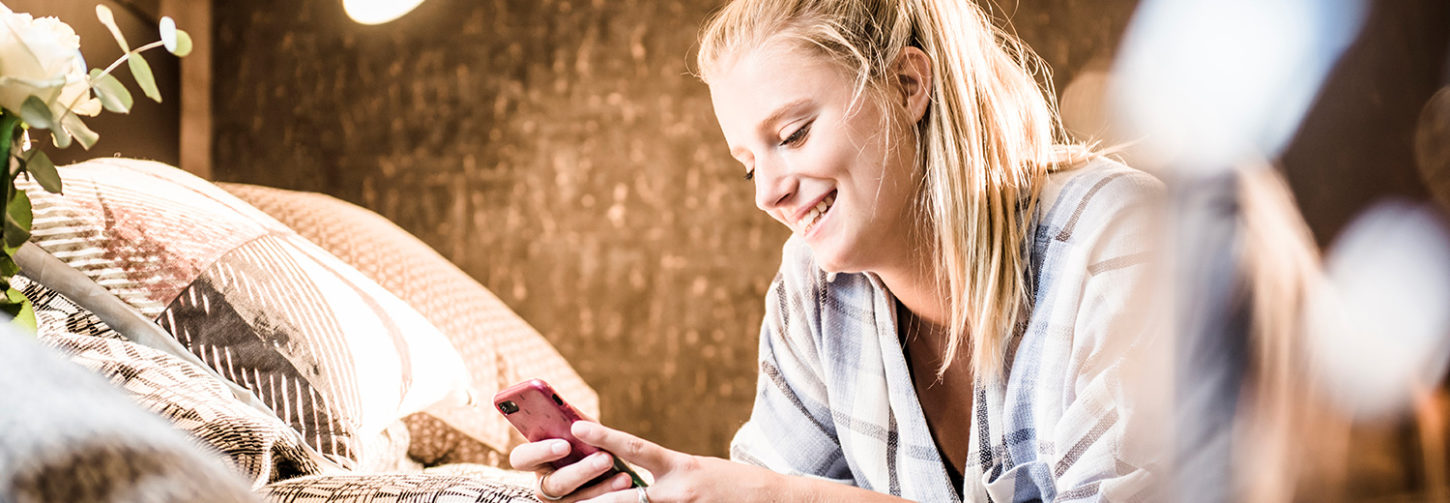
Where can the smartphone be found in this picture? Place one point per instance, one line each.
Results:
(537, 411)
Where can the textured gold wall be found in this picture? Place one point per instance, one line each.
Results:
(558, 151)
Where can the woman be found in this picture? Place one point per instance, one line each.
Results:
(951, 318)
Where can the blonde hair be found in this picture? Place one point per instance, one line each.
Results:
(988, 139)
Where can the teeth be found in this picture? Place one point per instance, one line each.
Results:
(815, 214)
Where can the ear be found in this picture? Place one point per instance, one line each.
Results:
(913, 78)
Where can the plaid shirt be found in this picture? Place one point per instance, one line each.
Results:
(835, 399)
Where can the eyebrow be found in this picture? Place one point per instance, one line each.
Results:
(780, 112)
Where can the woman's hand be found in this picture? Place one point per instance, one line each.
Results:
(678, 476)
(567, 483)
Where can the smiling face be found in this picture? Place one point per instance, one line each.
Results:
(833, 170)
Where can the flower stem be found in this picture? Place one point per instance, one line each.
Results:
(101, 75)
(127, 56)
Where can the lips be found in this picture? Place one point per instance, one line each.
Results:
(810, 218)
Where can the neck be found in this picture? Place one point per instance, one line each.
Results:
(915, 285)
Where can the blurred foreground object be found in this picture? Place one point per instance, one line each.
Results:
(70, 435)
(1279, 359)
(1379, 325)
(1208, 85)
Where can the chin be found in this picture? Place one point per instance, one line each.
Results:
(833, 261)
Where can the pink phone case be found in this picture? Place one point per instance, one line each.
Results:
(538, 413)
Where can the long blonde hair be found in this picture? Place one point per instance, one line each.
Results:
(987, 141)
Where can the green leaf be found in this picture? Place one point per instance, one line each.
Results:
(17, 222)
(12, 308)
(26, 318)
(111, 92)
(8, 267)
(36, 113)
(72, 124)
(25, 313)
(104, 14)
(142, 72)
(183, 44)
(9, 125)
(40, 167)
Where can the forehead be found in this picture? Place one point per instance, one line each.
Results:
(747, 87)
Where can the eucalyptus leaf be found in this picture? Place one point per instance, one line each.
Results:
(40, 167)
(142, 72)
(17, 222)
(60, 138)
(111, 92)
(36, 113)
(168, 33)
(104, 14)
(72, 124)
(183, 44)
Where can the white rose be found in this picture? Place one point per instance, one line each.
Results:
(42, 58)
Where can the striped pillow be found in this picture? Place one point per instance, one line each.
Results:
(333, 354)
(498, 347)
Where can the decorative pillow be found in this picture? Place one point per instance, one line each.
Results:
(498, 347)
(333, 354)
(258, 443)
(69, 435)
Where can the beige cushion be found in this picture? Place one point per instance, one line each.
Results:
(498, 347)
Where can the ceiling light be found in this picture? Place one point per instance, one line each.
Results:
(377, 11)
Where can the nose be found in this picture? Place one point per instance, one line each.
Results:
(774, 185)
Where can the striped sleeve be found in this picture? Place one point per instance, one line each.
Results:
(790, 428)
(1107, 440)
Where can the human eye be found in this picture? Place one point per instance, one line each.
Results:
(798, 136)
(749, 174)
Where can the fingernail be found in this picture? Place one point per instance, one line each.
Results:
(621, 482)
(583, 428)
(559, 447)
(601, 460)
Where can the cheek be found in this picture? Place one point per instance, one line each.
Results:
(842, 153)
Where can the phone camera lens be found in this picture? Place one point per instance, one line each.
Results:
(508, 407)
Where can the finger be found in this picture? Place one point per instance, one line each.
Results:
(571, 478)
(628, 447)
(618, 482)
(535, 456)
(621, 496)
